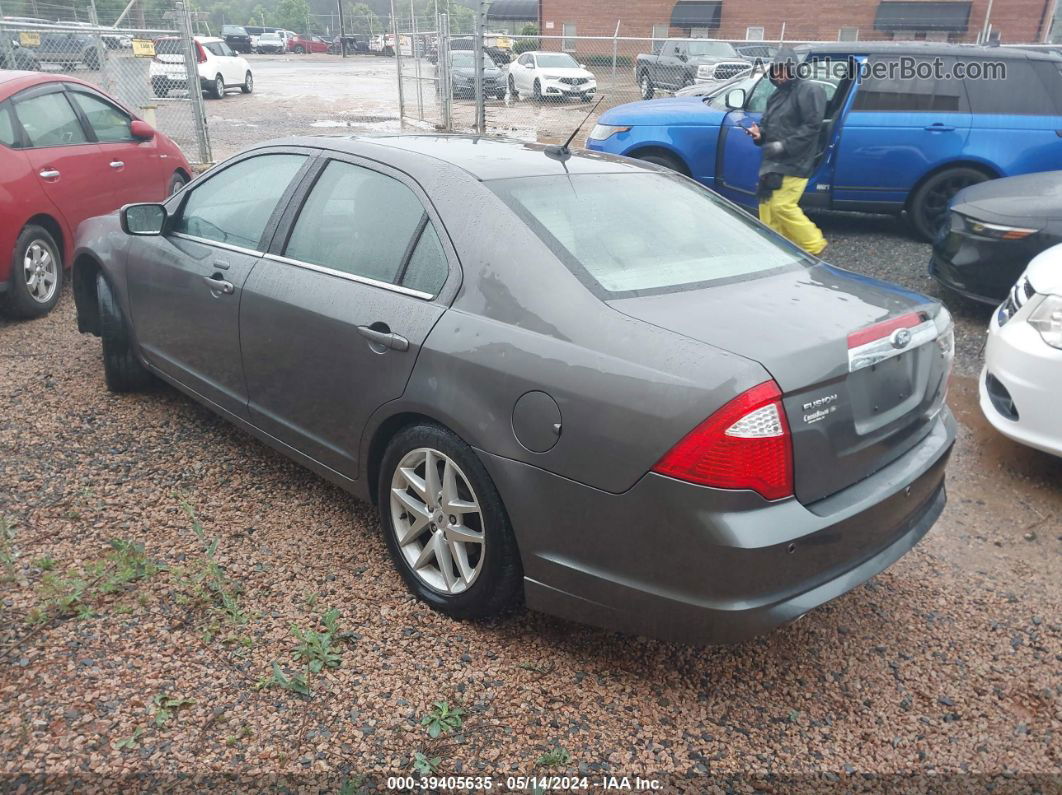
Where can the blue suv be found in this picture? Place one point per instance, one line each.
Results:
(894, 139)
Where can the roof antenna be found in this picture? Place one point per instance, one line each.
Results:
(562, 152)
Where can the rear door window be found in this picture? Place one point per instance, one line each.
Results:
(234, 206)
(49, 120)
(108, 122)
(884, 88)
(1021, 92)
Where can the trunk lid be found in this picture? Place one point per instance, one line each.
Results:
(856, 397)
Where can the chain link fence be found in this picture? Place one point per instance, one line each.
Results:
(135, 63)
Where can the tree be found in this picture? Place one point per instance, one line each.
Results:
(527, 45)
(362, 19)
(293, 15)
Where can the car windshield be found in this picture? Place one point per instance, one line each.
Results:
(717, 98)
(556, 60)
(718, 49)
(463, 59)
(645, 232)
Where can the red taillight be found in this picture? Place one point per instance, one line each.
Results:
(200, 53)
(885, 328)
(744, 445)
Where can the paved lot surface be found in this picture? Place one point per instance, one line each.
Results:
(940, 674)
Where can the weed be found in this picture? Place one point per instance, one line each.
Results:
(165, 706)
(442, 719)
(242, 734)
(206, 583)
(553, 758)
(311, 600)
(316, 647)
(124, 564)
(533, 667)
(424, 765)
(133, 741)
(296, 683)
(47, 563)
(8, 553)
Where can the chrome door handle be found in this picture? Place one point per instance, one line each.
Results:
(395, 342)
(939, 128)
(49, 173)
(220, 285)
(117, 164)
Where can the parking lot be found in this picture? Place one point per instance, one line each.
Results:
(940, 674)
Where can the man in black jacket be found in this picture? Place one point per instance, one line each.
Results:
(788, 134)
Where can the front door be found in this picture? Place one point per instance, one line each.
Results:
(185, 286)
(332, 321)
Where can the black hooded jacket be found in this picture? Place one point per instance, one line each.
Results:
(793, 118)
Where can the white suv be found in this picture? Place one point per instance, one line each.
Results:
(219, 67)
(1022, 379)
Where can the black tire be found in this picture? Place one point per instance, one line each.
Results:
(299, 50)
(91, 59)
(927, 208)
(248, 83)
(645, 83)
(512, 88)
(217, 88)
(536, 91)
(665, 160)
(161, 88)
(122, 370)
(499, 94)
(498, 586)
(19, 301)
(177, 181)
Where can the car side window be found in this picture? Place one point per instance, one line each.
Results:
(1021, 93)
(427, 267)
(49, 120)
(883, 91)
(235, 205)
(360, 222)
(109, 123)
(215, 48)
(8, 136)
(226, 50)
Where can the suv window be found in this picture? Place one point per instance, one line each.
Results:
(109, 123)
(361, 222)
(894, 93)
(235, 205)
(1050, 73)
(1021, 93)
(49, 120)
(8, 137)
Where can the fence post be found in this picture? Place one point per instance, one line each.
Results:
(195, 91)
(416, 61)
(5, 44)
(446, 93)
(477, 54)
(398, 63)
(615, 48)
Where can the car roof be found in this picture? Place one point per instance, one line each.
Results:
(922, 48)
(484, 158)
(205, 39)
(13, 81)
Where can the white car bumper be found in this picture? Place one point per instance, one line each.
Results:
(556, 88)
(1021, 384)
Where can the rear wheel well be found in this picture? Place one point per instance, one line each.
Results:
(659, 151)
(86, 270)
(54, 229)
(986, 170)
(383, 435)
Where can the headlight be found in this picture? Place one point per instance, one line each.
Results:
(603, 131)
(1047, 319)
(998, 231)
(705, 71)
(550, 77)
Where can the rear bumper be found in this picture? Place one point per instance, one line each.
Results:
(697, 565)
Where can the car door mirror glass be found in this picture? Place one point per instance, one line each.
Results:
(735, 98)
(143, 219)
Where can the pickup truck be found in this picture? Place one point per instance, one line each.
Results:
(682, 62)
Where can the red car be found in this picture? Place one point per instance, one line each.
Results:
(67, 152)
(299, 44)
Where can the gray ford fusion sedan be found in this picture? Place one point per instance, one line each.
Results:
(583, 382)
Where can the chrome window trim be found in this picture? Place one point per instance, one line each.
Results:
(227, 246)
(395, 288)
(880, 350)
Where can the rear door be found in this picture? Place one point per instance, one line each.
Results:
(69, 166)
(900, 127)
(334, 316)
(185, 286)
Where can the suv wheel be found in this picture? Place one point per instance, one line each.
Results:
(646, 84)
(92, 59)
(445, 525)
(217, 90)
(122, 371)
(512, 88)
(248, 83)
(36, 274)
(929, 205)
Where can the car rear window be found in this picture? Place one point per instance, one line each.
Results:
(631, 234)
(169, 47)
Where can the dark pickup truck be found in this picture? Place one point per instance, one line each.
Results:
(682, 62)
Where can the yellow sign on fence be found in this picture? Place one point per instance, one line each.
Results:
(29, 38)
(143, 48)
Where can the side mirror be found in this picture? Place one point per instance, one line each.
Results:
(143, 219)
(141, 130)
(735, 98)
(582, 66)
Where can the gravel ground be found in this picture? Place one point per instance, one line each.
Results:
(941, 674)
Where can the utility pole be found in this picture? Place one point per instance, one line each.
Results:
(477, 51)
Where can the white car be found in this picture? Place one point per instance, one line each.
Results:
(219, 67)
(1021, 384)
(555, 75)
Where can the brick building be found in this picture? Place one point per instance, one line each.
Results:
(1023, 21)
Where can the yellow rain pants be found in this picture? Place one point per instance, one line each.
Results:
(783, 214)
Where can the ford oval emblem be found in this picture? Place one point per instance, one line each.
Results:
(901, 338)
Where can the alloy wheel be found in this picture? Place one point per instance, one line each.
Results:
(40, 271)
(647, 87)
(437, 521)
